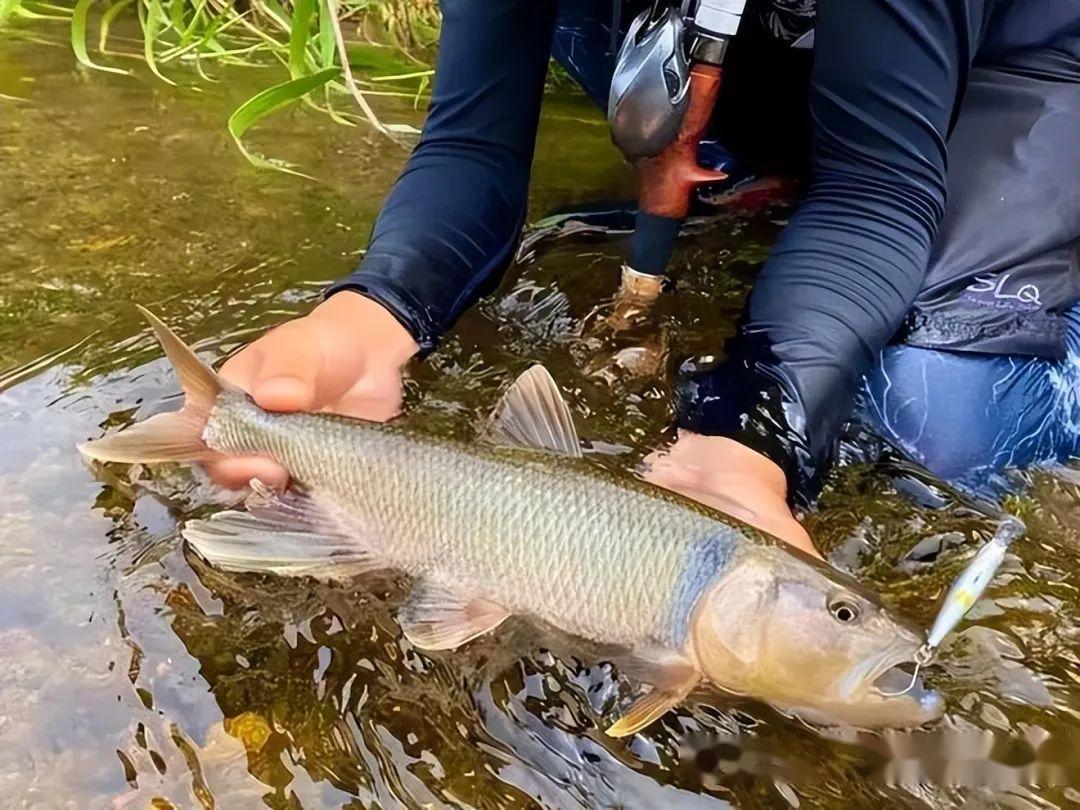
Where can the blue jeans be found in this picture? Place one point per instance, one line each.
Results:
(968, 417)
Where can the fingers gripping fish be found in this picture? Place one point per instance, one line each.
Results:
(519, 524)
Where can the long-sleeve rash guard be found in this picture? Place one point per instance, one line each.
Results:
(887, 80)
(449, 227)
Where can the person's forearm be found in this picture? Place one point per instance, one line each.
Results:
(450, 225)
(847, 268)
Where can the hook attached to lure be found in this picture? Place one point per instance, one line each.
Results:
(923, 656)
(965, 591)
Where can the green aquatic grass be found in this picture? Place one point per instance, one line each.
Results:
(359, 50)
(268, 101)
(78, 38)
(333, 56)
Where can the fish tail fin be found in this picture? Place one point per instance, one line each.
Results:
(168, 436)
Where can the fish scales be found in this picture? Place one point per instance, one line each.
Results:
(542, 537)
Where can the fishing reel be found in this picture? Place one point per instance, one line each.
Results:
(650, 88)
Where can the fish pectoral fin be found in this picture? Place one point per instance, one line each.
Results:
(673, 677)
(645, 710)
(288, 533)
(534, 416)
(437, 617)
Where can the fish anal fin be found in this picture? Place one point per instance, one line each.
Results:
(672, 676)
(437, 617)
(533, 415)
(290, 533)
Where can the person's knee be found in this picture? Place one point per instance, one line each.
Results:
(955, 413)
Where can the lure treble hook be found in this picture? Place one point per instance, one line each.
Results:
(923, 656)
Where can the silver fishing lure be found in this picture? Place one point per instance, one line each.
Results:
(967, 588)
(971, 583)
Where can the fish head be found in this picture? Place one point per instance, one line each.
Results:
(785, 628)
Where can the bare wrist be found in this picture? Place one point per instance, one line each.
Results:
(373, 324)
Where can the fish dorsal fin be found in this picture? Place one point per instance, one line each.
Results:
(533, 415)
(438, 617)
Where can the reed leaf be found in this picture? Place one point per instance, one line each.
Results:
(107, 18)
(299, 36)
(269, 101)
(78, 38)
(155, 14)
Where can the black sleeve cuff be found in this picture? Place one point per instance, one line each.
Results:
(409, 312)
(748, 398)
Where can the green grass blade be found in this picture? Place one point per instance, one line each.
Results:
(275, 11)
(228, 55)
(400, 76)
(176, 15)
(78, 38)
(64, 11)
(196, 17)
(299, 36)
(269, 101)
(202, 73)
(421, 88)
(106, 22)
(207, 41)
(327, 43)
(151, 26)
(333, 113)
(34, 10)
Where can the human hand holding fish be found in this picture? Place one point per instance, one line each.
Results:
(729, 476)
(345, 357)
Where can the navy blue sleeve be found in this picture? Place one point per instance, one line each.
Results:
(451, 222)
(885, 86)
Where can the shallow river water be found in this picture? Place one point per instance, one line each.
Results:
(131, 675)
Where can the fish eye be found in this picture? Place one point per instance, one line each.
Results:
(844, 610)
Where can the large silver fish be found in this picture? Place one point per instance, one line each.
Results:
(498, 528)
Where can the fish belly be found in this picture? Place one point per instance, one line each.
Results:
(531, 533)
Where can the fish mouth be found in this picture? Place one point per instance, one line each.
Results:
(883, 691)
(896, 678)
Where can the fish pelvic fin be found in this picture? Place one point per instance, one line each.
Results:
(168, 436)
(673, 677)
(534, 416)
(438, 617)
(290, 534)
